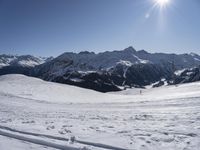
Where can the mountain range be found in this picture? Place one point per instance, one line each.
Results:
(107, 71)
(13, 64)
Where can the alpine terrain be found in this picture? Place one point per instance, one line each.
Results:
(107, 71)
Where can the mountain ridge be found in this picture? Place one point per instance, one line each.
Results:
(107, 71)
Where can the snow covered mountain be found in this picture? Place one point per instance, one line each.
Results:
(108, 70)
(89, 61)
(104, 72)
(24, 60)
(19, 64)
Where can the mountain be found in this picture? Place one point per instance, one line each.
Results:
(88, 61)
(109, 70)
(24, 60)
(19, 64)
(106, 71)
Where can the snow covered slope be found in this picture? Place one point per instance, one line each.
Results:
(37, 89)
(164, 118)
(188, 90)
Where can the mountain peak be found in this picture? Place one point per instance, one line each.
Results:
(129, 49)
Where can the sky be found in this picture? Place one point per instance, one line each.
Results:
(51, 27)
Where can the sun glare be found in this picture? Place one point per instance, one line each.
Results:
(162, 3)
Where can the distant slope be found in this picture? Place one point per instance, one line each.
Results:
(20, 86)
(23, 60)
(11, 64)
(180, 91)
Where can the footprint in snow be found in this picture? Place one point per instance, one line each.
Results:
(50, 127)
(64, 131)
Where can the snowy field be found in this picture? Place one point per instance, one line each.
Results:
(166, 118)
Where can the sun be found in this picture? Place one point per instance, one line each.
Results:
(162, 3)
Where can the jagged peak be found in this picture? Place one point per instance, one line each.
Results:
(129, 49)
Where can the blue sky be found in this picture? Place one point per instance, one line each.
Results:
(51, 27)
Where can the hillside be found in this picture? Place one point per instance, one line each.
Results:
(160, 118)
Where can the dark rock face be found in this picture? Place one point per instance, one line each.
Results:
(140, 74)
(146, 74)
(15, 70)
(105, 81)
(96, 81)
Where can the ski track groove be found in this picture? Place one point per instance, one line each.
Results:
(38, 142)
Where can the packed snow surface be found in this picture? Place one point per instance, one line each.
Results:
(165, 118)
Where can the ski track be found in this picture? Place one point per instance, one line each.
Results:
(37, 141)
(33, 134)
(171, 124)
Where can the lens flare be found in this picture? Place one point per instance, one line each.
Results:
(162, 3)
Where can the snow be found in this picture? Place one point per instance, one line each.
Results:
(30, 63)
(126, 63)
(11, 144)
(37, 89)
(5, 61)
(197, 59)
(3, 65)
(24, 60)
(189, 90)
(76, 80)
(189, 73)
(165, 118)
(179, 72)
(193, 54)
(86, 72)
(142, 61)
